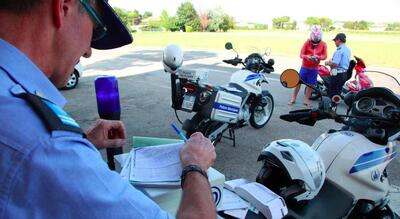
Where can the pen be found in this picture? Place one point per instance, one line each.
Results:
(180, 133)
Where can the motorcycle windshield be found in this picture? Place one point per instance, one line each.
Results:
(382, 79)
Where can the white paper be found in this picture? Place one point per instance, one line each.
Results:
(232, 201)
(232, 184)
(126, 168)
(156, 164)
(267, 202)
(238, 213)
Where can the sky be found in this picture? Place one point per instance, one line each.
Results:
(262, 11)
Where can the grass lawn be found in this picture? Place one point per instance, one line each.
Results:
(378, 49)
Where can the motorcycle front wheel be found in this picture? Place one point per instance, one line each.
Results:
(261, 113)
(314, 94)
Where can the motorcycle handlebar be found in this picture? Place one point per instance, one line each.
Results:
(294, 116)
(306, 116)
(234, 61)
(268, 69)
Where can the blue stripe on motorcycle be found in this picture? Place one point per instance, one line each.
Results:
(371, 163)
(253, 76)
(227, 108)
(373, 155)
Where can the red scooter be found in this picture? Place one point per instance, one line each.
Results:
(361, 82)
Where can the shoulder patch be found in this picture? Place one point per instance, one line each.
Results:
(52, 115)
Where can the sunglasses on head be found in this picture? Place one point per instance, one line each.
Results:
(99, 29)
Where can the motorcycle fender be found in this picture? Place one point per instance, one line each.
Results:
(265, 93)
(259, 97)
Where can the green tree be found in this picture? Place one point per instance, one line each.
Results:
(173, 24)
(164, 19)
(125, 16)
(187, 16)
(136, 17)
(310, 21)
(215, 19)
(280, 22)
(261, 27)
(136, 14)
(227, 23)
(291, 25)
(219, 20)
(325, 23)
(167, 22)
(395, 26)
(147, 14)
(356, 25)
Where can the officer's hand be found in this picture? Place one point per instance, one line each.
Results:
(198, 150)
(107, 134)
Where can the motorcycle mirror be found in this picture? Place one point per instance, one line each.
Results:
(228, 46)
(290, 78)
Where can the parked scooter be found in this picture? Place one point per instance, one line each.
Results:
(361, 82)
(220, 108)
(343, 174)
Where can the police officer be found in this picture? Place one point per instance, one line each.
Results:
(339, 65)
(49, 168)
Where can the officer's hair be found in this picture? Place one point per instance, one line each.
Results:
(19, 5)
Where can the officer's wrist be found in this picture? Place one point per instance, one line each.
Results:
(191, 171)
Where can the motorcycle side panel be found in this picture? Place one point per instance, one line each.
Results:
(248, 80)
(226, 107)
(356, 164)
(329, 146)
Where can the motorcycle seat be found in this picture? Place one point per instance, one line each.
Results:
(331, 202)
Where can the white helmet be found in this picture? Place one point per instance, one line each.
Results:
(172, 58)
(292, 169)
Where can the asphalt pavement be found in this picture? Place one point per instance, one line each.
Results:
(146, 104)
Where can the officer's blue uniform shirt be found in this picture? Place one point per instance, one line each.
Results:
(341, 57)
(56, 174)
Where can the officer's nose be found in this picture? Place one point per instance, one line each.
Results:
(88, 52)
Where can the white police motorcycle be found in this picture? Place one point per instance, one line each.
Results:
(343, 174)
(225, 107)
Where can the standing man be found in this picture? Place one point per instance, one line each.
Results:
(339, 65)
(49, 168)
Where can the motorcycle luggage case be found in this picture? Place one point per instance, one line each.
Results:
(223, 107)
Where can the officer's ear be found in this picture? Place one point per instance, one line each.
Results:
(61, 8)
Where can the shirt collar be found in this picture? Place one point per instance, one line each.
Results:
(24, 72)
(340, 46)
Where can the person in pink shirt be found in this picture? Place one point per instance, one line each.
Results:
(314, 50)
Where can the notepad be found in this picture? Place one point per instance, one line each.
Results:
(155, 166)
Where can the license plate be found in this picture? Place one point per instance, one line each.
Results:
(188, 102)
